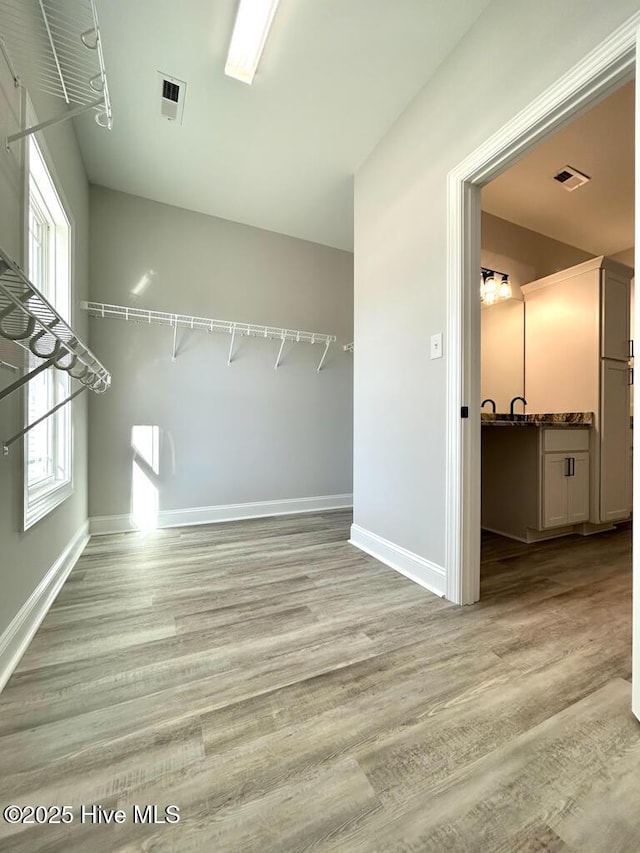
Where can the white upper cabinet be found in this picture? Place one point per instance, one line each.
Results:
(577, 330)
(615, 309)
(562, 343)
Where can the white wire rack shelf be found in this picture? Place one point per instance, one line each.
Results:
(30, 321)
(205, 324)
(54, 46)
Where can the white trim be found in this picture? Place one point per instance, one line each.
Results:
(16, 638)
(596, 76)
(46, 503)
(105, 524)
(423, 572)
(635, 613)
(38, 508)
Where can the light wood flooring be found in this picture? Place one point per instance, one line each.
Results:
(290, 693)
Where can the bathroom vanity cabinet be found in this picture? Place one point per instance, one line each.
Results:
(535, 480)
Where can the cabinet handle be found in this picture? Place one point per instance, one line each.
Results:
(567, 472)
(631, 376)
(631, 348)
(573, 466)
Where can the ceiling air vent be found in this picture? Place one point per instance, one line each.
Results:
(172, 93)
(571, 178)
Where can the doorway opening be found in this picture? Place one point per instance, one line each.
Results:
(599, 74)
(557, 252)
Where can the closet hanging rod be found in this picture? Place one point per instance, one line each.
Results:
(186, 321)
(29, 320)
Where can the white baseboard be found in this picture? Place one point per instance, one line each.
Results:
(421, 571)
(105, 524)
(15, 640)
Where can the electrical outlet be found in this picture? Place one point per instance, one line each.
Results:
(436, 346)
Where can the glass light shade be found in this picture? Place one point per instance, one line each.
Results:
(490, 285)
(504, 290)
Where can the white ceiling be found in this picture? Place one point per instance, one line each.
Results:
(280, 154)
(599, 216)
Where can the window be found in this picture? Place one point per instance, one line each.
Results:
(47, 447)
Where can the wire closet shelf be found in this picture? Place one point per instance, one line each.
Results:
(54, 46)
(29, 320)
(205, 324)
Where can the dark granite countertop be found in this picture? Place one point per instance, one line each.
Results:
(553, 419)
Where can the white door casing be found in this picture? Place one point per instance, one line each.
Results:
(635, 660)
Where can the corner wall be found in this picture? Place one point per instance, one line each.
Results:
(233, 439)
(29, 561)
(401, 245)
(524, 254)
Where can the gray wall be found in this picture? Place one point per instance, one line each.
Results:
(26, 557)
(234, 434)
(400, 251)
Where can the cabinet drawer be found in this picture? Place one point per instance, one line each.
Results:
(565, 439)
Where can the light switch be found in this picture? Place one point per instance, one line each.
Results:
(436, 346)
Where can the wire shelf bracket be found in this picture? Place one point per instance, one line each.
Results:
(175, 342)
(348, 347)
(7, 444)
(24, 379)
(103, 310)
(57, 48)
(29, 320)
(8, 60)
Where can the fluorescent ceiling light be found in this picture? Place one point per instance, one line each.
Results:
(249, 36)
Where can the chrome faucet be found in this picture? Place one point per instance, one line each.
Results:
(489, 400)
(515, 400)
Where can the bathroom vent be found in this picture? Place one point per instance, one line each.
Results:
(571, 178)
(172, 93)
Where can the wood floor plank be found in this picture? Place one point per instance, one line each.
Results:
(99, 773)
(291, 693)
(477, 721)
(499, 797)
(310, 810)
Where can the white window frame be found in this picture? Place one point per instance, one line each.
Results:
(43, 495)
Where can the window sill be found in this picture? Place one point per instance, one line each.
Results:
(43, 505)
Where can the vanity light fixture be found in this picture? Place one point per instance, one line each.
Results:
(250, 33)
(494, 285)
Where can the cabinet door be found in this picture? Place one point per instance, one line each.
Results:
(616, 312)
(614, 441)
(578, 489)
(554, 489)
